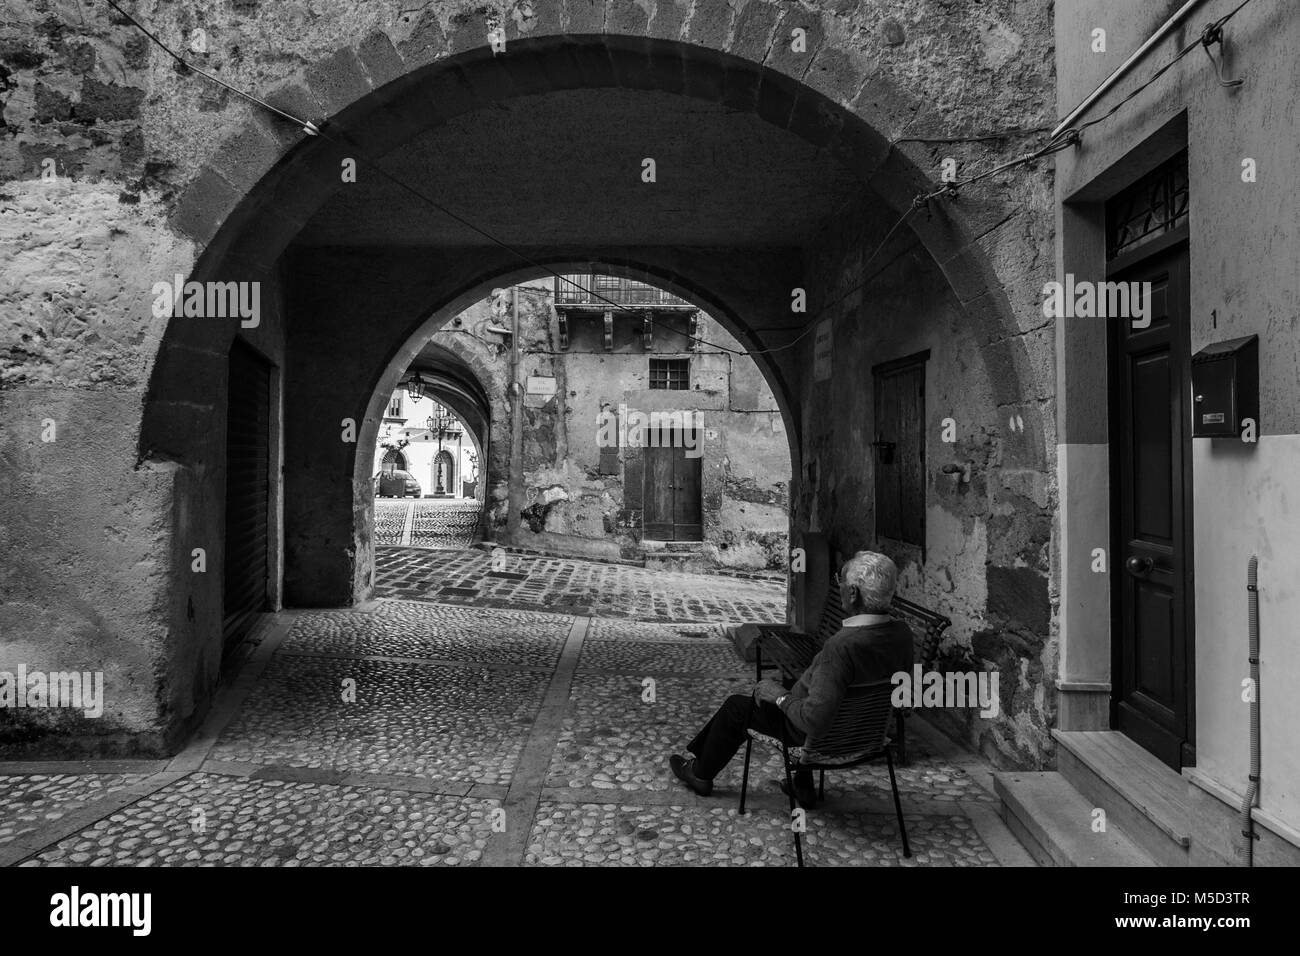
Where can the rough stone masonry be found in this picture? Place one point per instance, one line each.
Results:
(118, 170)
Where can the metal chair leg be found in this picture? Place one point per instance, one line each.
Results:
(821, 785)
(744, 780)
(898, 805)
(789, 786)
(902, 740)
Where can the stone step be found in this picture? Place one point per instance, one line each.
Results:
(1055, 823)
(1144, 797)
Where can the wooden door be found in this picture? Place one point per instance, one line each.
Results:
(1150, 447)
(673, 510)
(898, 462)
(248, 462)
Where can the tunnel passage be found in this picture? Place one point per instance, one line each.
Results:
(760, 192)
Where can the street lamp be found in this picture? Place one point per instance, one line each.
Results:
(438, 423)
(415, 388)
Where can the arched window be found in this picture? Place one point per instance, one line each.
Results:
(394, 460)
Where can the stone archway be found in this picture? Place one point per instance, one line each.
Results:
(265, 182)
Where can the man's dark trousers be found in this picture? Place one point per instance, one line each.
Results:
(721, 737)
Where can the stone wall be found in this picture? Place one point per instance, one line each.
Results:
(153, 171)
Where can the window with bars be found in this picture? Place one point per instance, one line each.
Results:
(1154, 205)
(670, 373)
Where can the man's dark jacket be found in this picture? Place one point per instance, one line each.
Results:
(854, 655)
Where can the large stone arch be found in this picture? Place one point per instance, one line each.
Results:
(262, 182)
(267, 179)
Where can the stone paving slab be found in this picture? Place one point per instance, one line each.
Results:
(572, 834)
(210, 820)
(471, 577)
(615, 629)
(647, 657)
(445, 523)
(612, 739)
(390, 520)
(413, 629)
(29, 803)
(451, 723)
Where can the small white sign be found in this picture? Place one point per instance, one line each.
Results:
(541, 385)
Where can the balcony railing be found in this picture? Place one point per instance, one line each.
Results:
(598, 290)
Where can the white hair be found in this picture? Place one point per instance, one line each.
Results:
(875, 576)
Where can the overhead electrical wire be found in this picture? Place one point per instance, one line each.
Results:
(1065, 139)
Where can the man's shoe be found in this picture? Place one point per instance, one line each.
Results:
(685, 771)
(804, 793)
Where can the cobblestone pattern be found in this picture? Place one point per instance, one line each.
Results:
(604, 629)
(272, 823)
(390, 520)
(571, 834)
(645, 657)
(574, 586)
(613, 740)
(445, 524)
(30, 801)
(449, 723)
(438, 632)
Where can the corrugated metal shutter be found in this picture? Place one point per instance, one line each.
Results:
(248, 463)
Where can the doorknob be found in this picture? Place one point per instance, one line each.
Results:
(1137, 566)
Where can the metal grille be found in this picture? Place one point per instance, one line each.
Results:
(670, 373)
(1151, 207)
(861, 725)
(595, 290)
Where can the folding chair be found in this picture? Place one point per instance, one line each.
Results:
(858, 735)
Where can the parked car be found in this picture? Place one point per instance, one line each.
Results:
(397, 484)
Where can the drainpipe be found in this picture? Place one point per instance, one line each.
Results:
(1246, 842)
(515, 497)
(1169, 26)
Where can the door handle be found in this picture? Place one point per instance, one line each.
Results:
(1137, 566)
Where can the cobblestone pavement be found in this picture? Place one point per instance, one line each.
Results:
(474, 577)
(427, 522)
(420, 733)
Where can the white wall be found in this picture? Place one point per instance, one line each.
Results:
(1247, 501)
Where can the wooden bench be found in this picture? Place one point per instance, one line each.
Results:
(779, 646)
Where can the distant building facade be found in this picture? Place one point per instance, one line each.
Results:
(644, 432)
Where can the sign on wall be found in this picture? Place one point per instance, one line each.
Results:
(541, 385)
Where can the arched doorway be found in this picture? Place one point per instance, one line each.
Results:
(443, 475)
(809, 213)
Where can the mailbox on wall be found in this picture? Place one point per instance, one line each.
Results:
(1225, 388)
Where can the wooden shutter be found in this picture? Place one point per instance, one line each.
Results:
(248, 463)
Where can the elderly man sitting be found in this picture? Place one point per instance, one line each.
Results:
(869, 646)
